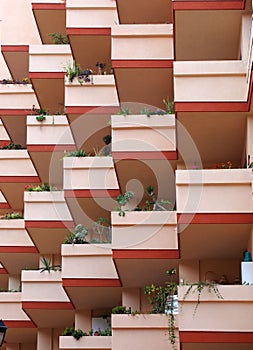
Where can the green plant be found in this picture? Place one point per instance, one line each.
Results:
(72, 71)
(122, 200)
(11, 145)
(169, 106)
(76, 333)
(10, 216)
(149, 111)
(78, 236)
(155, 204)
(40, 188)
(59, 38)
(124, 111)
(161, 299)
(102, 229)
(199, 287)
(78, 153)
(121, 310)
(47, 265)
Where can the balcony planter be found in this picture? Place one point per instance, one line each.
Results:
(146, 331)
(11, 309)
(89, 173)
(101, 14)
(214, 191)
(86, 342)
(145, 230)
(12, 95)
(217, 315)
(142, 42)
(13, 234)
(142, 133)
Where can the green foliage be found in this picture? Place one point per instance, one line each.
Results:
(76, 333)
(102, 229)
(78, 236)
(11, 145)
(72, 71)
(59, 38)
(40, 118)
(155, 204)
(149, 111)
(124, 111)
(40, 188)
(122, 200)
(78, 153)
(169, 106)
(47, 265)
(11, 216)
(121, 310)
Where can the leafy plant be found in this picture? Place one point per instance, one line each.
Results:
(102, 228)
(11, 216)
(149, 112)
(40, 188)
(156, 205)
(76, 333)
(124, 111)
(59, 38)
(122, 200)
(47, 265)
(161, 299)
(78, 153)
(72, 71)
(78, 236)
(121, 310)
(199, 287)
(11, 145)
(169, 106)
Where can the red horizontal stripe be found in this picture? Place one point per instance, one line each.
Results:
(145, 254)
(91, 193)
(211, 106)
(89, 31)
(215, 218)
(19, 324)
(3, 271)
(50, 148)
(208, 5)
(4, 206)
(47, 75)
(42, 6)
(18, 249)
(49, 224)
(215, 337)
(142, 63)
(47, 305)
(15, 48)
(19, 179)
(90, 282)
(14, 112)
(168, 155)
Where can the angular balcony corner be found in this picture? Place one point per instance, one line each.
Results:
(4, 137)
(89, 276)
(47, 218)
(44, 299)
(101, 91)
(210, 81)
(143, 331)
(20, 327)
(215, 314)
(3, 202)
(144, 136)
(221, 192)
(142, 42)
(86, 342)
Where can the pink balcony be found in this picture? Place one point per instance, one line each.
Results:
(20, 327)
(215, 194)
(204, 323)
(16, 101)
(44, 299)
(89, 25)
(89, 343)
(47, 66)
(143, 331)
(89, 276)
(17, 170)
(50, 17)
(143, 136)
(15, 241)
(46, 143)
(47, 218)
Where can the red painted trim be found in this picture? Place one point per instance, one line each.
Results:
(215, 218)
(168, 155)
(3, 271)
(14, 112)
(91, 193)
(18, 249)
(211, 106)
(145, 254)
(89, 31)
(91, 109)
(48, 6)
(19, 179)
(142, 63)
(49, 224)
(91, 282)
(48, 305)
(50, 148)
(4, 206)
(47, 75)
(209, 5)
(15, 48)
(19, 324)
(215, 337)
